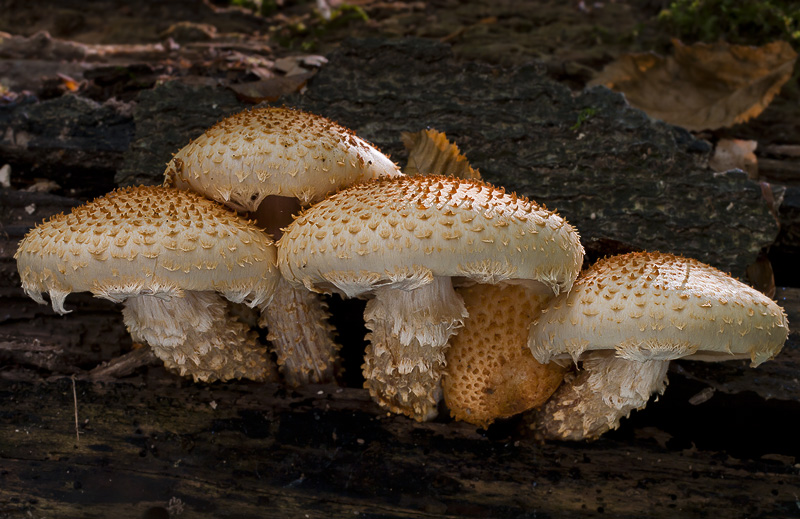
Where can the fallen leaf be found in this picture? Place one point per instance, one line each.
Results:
(429, 152)
(704, 86)
(735, 154)
(270, 89)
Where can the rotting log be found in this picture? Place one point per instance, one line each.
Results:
(242, 450)
(154, 444)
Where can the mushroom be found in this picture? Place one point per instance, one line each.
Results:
(627, 316)
(490, 371)
(400, 240)
(173, 258)
(268, 162)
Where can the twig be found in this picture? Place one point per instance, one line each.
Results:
(75, 400)
(122, 365)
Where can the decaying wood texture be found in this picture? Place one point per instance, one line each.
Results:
(241, 450)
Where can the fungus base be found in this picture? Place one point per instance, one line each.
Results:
(409, 332)
(606, 390)
(300, 335)
(196, 335)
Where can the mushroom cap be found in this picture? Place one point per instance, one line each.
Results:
(147, 240)
(401, 232)
(653, 306)
(275, 151)
(490, 371)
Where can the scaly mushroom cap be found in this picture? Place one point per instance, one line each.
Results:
(653, 306)
(490, 371)
(401, 232)
(275, 151)
(147, 240)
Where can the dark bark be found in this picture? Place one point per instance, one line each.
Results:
(242, 450)
(621, 179)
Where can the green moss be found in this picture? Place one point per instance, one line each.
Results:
(735, 21)
(585, 115)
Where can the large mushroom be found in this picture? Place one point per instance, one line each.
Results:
(626, 317)
(174, 259)
(267, 163)
(400, 241)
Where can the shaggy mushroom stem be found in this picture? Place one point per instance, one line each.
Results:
(297, 321)
(409, 332)
(606, 390)
(197, 335)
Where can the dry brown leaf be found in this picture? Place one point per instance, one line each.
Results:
(735, 154)
(429, 152)
(270, 89)
(704, 86)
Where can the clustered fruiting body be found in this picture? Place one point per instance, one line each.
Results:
(400, 241)
(444, 262)
(269, 162)
(174, 259)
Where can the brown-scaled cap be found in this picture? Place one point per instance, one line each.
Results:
(401, 232)
(275, 151)
(490, 371)
(653, 306)
(147, 240)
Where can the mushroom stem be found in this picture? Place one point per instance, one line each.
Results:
(197, 335)
(409, 332)
(606, 390)
(300, 334)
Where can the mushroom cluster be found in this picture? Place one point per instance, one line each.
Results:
(176, 261)
(267, 163)
(400, 241)
(474, 295)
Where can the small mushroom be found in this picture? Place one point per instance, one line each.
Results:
(490, 371)
(400, 241)
(627, 316)
(268, 162)
(175, 260)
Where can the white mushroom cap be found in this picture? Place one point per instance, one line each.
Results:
(653, 306)
(401, 232)
(147, 240)
(275, 151)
